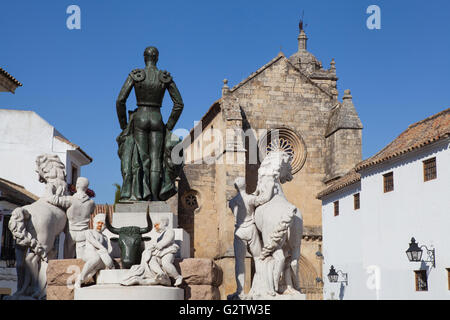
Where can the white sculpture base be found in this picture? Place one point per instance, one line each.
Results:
(118, 292)
(295, 296)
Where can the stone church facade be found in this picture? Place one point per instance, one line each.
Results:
(295, 100)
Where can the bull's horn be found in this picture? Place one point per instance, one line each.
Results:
(149, 223)
(108, 223)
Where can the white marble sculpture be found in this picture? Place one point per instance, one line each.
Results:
(79, 209)
(246, 234)
(35, 228)
(97, 251)
(156, 266)
(280, 224)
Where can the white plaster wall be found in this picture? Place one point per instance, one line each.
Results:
(379, 233)
(24, 136)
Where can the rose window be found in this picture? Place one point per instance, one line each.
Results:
(190, 200)
(286, 140)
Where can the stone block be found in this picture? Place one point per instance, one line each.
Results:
(60, 293)
(201, 292)
(63, 272)
(141, 206)
(138, 219)
(200, 271)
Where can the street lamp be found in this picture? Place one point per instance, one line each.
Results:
(333, 276)
(414, 253)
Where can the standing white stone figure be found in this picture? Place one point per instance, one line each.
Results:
(79, 210)
(157, 260)
(96, 253)
(280, 225)
(246, 234)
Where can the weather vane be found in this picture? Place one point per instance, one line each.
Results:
(300, 24)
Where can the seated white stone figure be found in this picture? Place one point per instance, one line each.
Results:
(156, 266)
(96, 253)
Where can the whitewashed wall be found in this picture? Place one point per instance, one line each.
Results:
(24, 136)
(370, 243)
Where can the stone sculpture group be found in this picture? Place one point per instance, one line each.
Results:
(266, 222)
(267, 212)
(36, 226)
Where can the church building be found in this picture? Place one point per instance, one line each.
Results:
(295, 100)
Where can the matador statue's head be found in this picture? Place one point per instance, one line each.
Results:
(151, 55)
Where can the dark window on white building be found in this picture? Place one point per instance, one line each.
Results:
(429, 169)
(356, 203)
(388, 182)
(336, 208)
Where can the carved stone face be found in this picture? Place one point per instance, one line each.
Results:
(161, 226)
(82, 184)
(100, 226)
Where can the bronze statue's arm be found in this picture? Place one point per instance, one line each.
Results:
(177, 105)
(121, 100)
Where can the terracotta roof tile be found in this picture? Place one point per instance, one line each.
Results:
(17, 191)
(419, 134)
(10, 77)
(349, 178)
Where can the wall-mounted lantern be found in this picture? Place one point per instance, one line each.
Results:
(333, 276)
(415, 252)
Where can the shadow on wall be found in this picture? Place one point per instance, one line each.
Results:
(341, 291)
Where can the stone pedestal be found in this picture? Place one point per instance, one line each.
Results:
(201, 279)
(134, 214)
(118, 292)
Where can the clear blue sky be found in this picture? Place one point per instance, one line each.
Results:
(398, 75)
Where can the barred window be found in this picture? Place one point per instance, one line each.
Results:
(356, 201)
(421, 280)
(336, 208)
(429, 169)
(388, 182)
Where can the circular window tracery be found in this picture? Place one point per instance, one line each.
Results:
(283, 139)
(191, 200)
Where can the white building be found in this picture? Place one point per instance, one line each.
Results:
(370, 215)
(23, 136)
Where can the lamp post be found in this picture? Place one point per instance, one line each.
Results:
(333, 276)
(414, 253)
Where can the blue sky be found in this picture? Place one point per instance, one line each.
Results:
(398, 75)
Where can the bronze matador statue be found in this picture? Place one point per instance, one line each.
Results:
(145, 143)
